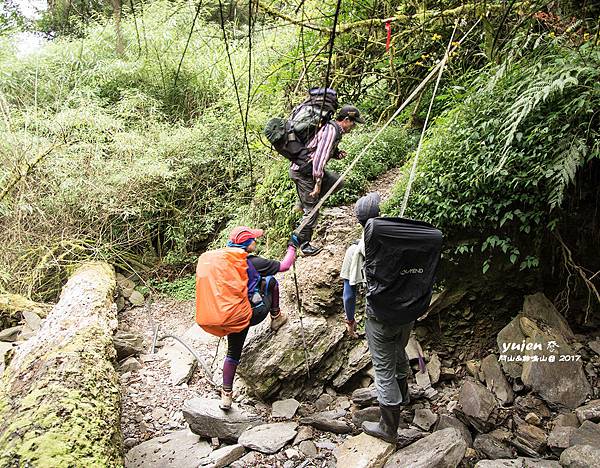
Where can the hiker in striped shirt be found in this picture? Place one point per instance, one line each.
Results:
(313, 180)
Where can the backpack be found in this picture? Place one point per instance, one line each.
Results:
(222, 304)
(290, 136)
(401, 259)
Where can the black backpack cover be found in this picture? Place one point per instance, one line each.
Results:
(401, 259)
(290, 136)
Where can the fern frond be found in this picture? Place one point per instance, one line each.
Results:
(565, 168)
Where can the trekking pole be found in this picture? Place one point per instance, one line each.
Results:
(299, 305)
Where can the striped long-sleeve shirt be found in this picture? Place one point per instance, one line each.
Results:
(322, 147)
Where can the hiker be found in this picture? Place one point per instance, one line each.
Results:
(311, 185)
(353, 266)
(262, 296)
(398, 259)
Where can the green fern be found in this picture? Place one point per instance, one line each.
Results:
(571, 158)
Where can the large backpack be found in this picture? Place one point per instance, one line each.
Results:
(290, 136)
(222, 304)
(401, 259)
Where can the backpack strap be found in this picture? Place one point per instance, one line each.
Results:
(253, 278)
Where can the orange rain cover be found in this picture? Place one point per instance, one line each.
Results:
(222, 304)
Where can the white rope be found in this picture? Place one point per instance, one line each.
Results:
(413, 171)
(417, 90)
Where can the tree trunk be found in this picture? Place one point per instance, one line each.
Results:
(59, 396)
(120, 48)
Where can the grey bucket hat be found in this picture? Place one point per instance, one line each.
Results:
(367, 207)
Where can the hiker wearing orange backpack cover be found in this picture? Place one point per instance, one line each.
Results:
(234, 291)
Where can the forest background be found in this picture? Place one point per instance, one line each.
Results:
(134, 135)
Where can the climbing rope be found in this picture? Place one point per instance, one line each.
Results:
(413, 170)
(416, 91)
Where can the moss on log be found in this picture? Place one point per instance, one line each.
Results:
(60, 396)
(12, 307)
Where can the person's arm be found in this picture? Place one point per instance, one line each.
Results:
(349, 298)
(288, 260)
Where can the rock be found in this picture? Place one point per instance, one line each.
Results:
(434, 368)
(373, 413)
(589, 412)
(495, 380)
(342, 403)
(517, 463)
(308, 449)
(131, 364)
(326, 421)
(413, 349)
(208, 420)
(136, 298)
(180, 449)
(473, 368)
(10, 334)
(537, 307)
(285, 409)
(490, 447)
(181, 362)
(424, 418)
(32, 320)
(595, 346)
(524, 449)
(532, 404)
(363, 451)
(292, 454)
(442, 449)
(222, 457)
(364, 396)
(120, 302)
(533, 418)
(560, 438)
(532, 436)
(358, 358)
(250, 459)
(445, 421)
(566, 420)
(408, 436)
(277, 366)
(580, 456)
(126, 344)
(422, 379)
(587, 434)
(323, 402)
(268, 438)
(304, 433)
(476, 404)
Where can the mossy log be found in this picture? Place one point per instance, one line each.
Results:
(12, 307)
(59, 396)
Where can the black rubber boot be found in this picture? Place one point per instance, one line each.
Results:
(387, 427)
(403, 384)
(308, 250)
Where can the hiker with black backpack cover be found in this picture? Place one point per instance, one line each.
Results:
(310, 186)
(399, 260)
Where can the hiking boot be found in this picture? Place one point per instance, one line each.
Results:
(403, 384)
(387, 427)
(278, 320)
(308, 250)
(351, 329)
(226, 400)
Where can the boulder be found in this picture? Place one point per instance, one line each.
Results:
(373, 413)
(268, 438)
(409, 436)
(304, 433)
(495, 380)
(181, 362)
(442, 449)
(308, 449)
(363, 451)
(9, 335)
(285, 409)
(587, 434)
(222, 457)
(539, 308)
(358, 357)
(327, 421)
(595, 346)
(589, 412)
(445, 421)
(130, 364)
(208, 420)
(277, 366)
(179, 449)
(491, 447)
(580, 456)
(531, 404)
(434, 369)
(136, 298)
(566, 420)
(476, 404)
(532, 436)
(560, 438)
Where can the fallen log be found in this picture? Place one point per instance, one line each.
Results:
(59, 396)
